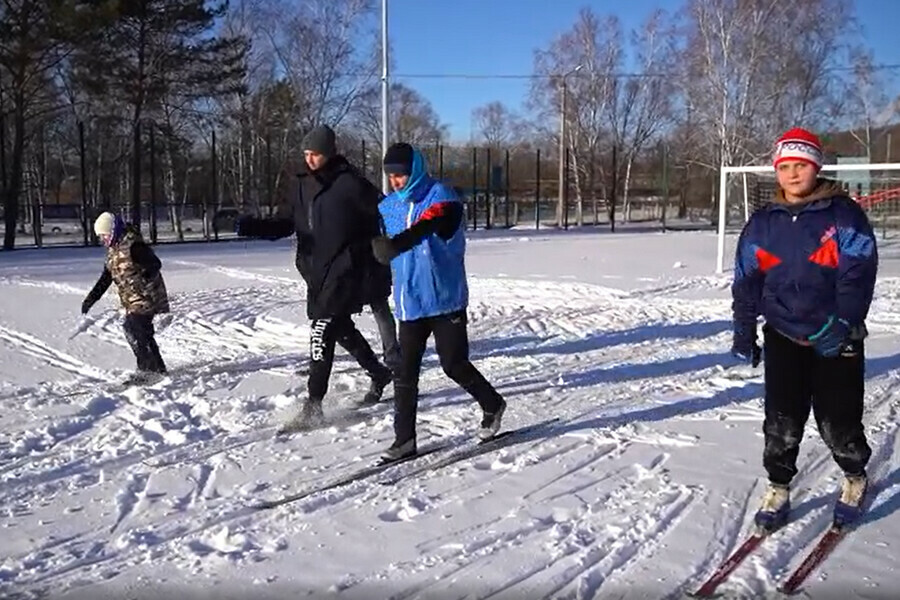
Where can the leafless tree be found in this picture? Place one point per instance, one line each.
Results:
(497, 125)
(646, 101)
(754, 67)
(323, 49)
(413, 119)
(869, 106)
(595, 45)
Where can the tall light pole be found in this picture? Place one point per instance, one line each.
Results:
(385, 124)
(562, 146)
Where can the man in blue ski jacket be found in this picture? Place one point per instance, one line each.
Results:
(425, 246)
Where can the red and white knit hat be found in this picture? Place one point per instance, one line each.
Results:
(799, 144)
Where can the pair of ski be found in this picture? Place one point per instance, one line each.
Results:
(816, 556)
(455, 454)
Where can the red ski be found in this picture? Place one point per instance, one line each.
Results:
(730, 564)
(815, 557)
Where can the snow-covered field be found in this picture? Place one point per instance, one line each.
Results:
(648, 480)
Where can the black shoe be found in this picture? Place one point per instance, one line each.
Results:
(142, 377)
(310, 417)
(490, 422)
(376, 388)
(399, 451)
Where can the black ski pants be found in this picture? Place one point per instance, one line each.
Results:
(451, 342)
(323, 335)
(797, 380)
(140, 335)
(387, 330)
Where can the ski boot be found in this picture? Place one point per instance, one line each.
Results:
(399, 451)
(142, 377)
(849, 505)
(776, 504)
(309, 417)
(490, 422)
(376, 388)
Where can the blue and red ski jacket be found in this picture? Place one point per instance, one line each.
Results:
(799, 264)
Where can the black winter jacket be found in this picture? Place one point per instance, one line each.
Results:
(334, 225)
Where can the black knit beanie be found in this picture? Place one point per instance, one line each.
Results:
(398, 159)
(321, 140)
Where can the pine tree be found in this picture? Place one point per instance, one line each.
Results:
(159, 50)
(36, 36)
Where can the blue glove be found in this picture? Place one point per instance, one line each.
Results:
(829, 340)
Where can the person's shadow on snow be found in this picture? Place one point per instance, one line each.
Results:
(527, 345)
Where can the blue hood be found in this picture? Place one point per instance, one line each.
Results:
(417, 178)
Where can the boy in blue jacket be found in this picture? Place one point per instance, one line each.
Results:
(425, 246)
(807, 263)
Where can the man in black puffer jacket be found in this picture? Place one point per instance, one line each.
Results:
(334, 257)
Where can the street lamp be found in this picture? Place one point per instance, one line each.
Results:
(384, 91)
(562, 145)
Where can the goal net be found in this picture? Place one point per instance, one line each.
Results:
(875, 186)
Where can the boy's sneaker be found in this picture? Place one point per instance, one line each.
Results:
(310, 417)
(776, 505)
(376, 388)
(399, 451)
(142, 378)
(849, 505)
(490, 422)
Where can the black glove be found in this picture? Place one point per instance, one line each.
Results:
(86, 306)
(749, 354)
(832, 338)
(383, 249)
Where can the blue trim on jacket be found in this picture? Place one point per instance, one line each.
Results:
(799, 265)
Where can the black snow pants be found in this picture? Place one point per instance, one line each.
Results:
(797, 380)
(323, 335)
(452, 344)
(140, 336)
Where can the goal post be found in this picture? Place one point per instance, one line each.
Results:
(743, 189)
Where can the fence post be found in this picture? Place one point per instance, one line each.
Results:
(269, 175)
(84, 201)
(665, 176)
(215, 192)
(506, 191)
(153, 230)
(488, 190)
(474, 188)
(2, 141)
(537, 191)
(566, 192)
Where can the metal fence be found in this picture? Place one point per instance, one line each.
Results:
(196, 194)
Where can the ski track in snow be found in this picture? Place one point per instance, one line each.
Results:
(161, 475)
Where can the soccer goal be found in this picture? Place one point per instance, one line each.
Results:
(876, 186)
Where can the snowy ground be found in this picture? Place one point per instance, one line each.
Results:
(646, 483)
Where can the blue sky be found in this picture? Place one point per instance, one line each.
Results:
(491, 37)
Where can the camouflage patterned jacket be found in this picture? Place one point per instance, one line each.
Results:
(135, 269)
